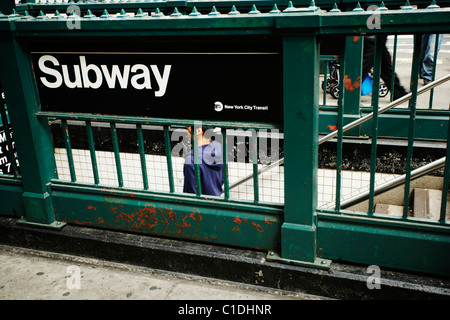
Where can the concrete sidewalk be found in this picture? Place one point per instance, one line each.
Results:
(34, 275)
(119, 265)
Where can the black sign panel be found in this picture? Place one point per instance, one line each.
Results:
(205, 86)
(5, 159)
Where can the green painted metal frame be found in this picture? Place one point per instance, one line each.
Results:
(393, 124)
(186, 6)
(299, 231)
(412, 119)
(391, 243)
(390, 126)
(375, 106)
(334, 26)
(33, 140)
(11, 191)
(300, 55)
(142, 210)
(168, 215)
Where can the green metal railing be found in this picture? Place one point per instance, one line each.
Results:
(326, 59)
(166, 126)
(424, 108)
(374, 117)
(295, 231)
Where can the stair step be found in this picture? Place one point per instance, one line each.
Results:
(427, 204)
(389, 209)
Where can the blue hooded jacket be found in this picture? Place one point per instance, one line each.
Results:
(211, 174)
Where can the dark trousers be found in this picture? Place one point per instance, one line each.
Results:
(386, 65)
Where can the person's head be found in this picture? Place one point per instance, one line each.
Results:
(200, 130)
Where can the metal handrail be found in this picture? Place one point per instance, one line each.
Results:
(387, 107)
(417, 173)
(353, 124)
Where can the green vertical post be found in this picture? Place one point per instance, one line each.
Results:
(32, 137)
(226, 184)
(115, 143)
(169, 158)
(140, 137)
(90, 137)
(340, 124)
(412, 120)
(394, 63)
(65, 130)
(375, 102)
(195, 150)
(352, 80)
(254, 155)
(445, 183)
(325, 76)
(433, 74)
(300, 85)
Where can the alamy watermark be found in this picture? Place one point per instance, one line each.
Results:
(73, 17)
(374, 280)
(74, 13)
(374, 21)
(239, 144)
(74, 279)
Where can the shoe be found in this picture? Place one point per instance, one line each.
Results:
(399, 92)
(426, 81)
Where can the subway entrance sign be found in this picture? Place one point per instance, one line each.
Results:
(230, 86)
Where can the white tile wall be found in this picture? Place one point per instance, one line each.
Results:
(271, 183)
(352, 184)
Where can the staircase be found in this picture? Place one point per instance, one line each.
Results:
(425, 204)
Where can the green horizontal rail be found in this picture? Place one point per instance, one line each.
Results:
(148, 195)
(310, 19)
(153, 121)
(176, 219)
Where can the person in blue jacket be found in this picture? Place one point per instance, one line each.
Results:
(210, 165)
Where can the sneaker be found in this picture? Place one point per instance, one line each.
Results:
(426, 81)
